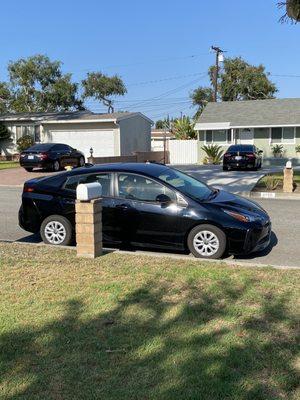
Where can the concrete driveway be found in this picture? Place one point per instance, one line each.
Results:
(17, 176)
(285, 215)
(241, 182)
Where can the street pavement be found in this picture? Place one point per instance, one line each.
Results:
(285, 215)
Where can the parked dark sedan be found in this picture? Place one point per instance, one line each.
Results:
(242, 156)
(148, 205)
(52, 156)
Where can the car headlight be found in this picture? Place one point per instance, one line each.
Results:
(238, 216)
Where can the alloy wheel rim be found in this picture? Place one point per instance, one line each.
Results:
(206, 243)
(56, 166)
(55, 232)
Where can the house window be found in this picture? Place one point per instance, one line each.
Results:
(221, 136)
(283, 135)
(31, 130)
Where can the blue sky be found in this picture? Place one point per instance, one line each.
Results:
(159, 47)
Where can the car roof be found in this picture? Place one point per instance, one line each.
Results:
(145, 168)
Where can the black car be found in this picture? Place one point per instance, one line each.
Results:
(52, 156)
(242, 156)
(148, 205)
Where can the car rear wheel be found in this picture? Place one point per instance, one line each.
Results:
(56, 230)
(56, 166)
(81, 162)
(207, 241)
(29, 169)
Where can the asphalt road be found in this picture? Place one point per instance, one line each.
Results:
(285, 215)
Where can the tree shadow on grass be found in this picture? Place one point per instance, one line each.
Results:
(159, 342)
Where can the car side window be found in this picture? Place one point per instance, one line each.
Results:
(137, 187)
(103, 178)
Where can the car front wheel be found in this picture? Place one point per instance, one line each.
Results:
(56, 230)
(207, 241)
(81, 162)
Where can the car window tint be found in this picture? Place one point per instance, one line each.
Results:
(236, 148)
(137, 187)
(104, 179)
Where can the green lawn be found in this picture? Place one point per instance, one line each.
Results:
(133, 327)
(279, 177)
(9, 164)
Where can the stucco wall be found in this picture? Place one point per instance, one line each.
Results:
(135, 135)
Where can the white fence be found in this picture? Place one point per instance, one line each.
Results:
(183, 151)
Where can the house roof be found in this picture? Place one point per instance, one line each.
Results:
(71, 116)
(251, 113)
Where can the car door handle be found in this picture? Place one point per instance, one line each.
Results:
(123, 206)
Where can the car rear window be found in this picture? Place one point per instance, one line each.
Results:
(41, 147)
(233, 149)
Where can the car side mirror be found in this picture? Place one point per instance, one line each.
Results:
(163, 199)
(260, 151)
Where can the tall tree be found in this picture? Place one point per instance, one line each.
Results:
(5, 97)
(292, 10)
(38, 84)
(183, 129)
(238, 80)
(101, 87)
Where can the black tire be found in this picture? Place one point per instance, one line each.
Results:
(29, 169)
(219, 244)
(225, 168)
(56, 166)
(66, 234)
(81, 162)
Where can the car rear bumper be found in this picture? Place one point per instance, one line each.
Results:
(35, 164)
(239, 164)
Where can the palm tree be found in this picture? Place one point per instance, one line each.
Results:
(184, 129)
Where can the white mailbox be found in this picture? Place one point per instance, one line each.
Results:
(288, 164)
(88, 191)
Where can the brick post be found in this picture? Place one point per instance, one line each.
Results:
(288, 175)
(89, 228)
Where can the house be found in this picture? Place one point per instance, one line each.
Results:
(264, 123)
(160, 138)
(108, 134)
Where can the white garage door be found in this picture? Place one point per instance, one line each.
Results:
(101, 141)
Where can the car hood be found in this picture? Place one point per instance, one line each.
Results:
(232, 201)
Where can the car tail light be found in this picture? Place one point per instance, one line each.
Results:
(43, 156)
(226, 155)
(28, 189)
(250, 155)
(22, 155)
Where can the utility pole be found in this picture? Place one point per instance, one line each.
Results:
(218, 51)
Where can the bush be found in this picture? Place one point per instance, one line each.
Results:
(277, 150)
(5, 134)
(271, 182)
(24, 142)
(298, 148)
(214, 154)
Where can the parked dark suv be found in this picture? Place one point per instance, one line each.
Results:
(242, 156)
(52, 156)
(148, 205)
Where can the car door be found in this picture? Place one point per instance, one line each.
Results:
(142, 219)
(68, 198)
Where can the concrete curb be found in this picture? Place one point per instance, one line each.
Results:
(229, 261)
(270, 195)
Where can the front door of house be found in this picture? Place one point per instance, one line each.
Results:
(246, 136)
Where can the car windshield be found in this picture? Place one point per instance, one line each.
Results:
(186, 184)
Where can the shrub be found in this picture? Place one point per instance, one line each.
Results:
(297, 148)
(277, 150)
(214, 154)
(271, 182)
(24, 142)
(5, 134)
